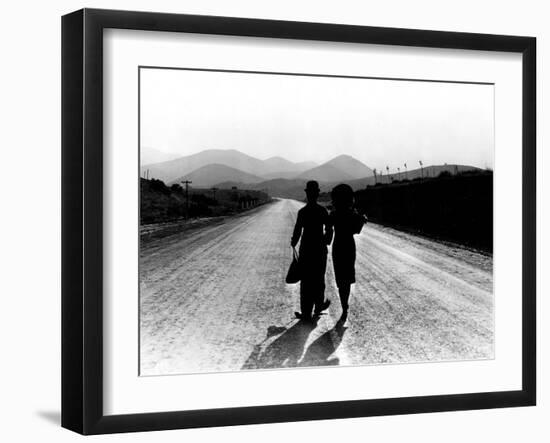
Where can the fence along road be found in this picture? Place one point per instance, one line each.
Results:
(214, 299)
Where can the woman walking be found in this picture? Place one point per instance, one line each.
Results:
(346, 222)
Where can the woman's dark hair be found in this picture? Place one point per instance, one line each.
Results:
(342, 196)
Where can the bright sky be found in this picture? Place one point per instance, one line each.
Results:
(380, 122)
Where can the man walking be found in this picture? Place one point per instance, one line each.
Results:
(314, 228)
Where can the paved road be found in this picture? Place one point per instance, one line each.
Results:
(214, 299)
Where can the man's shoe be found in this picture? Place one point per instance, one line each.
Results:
(324, 307)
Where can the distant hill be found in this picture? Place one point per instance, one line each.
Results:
(210, 175)
(326, 173)
(273, 167)
(280, 174)
(170, 170)
(150, 155)
(304, 166)
(294, 188)
(341, 168)
(351, 166)
(282, 168)
(428, 171)
(280, 164)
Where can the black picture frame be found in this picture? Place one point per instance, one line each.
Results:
(82, 218)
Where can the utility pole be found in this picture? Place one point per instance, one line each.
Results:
(406, 171)
(374, 170)
(421, 168)
(388, 173)
(187, 183)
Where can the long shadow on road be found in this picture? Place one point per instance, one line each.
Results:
(287, 349)
(320, 351)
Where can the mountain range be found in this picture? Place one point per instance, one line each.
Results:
(170, 170)
(280, 177)
(213, 166)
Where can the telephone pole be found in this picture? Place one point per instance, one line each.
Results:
(374, 170)
(187, 183)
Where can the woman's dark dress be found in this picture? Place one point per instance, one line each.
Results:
(346, 224)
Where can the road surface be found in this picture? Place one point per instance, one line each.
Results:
(214, 299)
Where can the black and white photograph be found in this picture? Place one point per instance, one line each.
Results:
(298, 220)
(275, 222)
